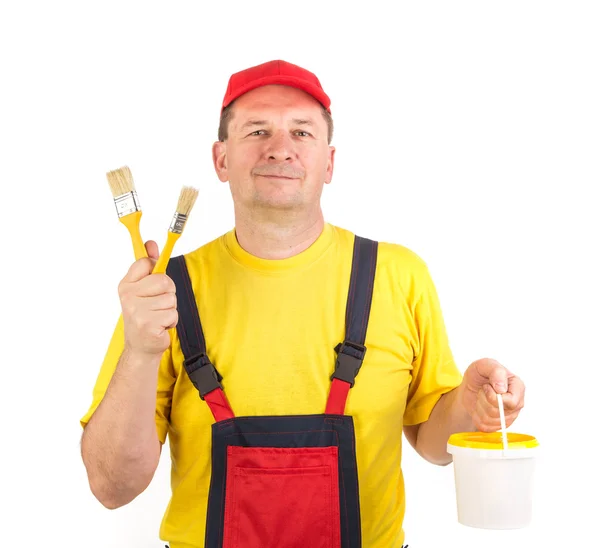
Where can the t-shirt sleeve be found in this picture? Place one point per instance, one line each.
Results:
(166, 381)
(434, 370)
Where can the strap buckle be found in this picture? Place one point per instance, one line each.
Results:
(203, 374)
(349, 361)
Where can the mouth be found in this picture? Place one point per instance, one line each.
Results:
(277, 177)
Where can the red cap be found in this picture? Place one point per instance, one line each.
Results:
(275, 72)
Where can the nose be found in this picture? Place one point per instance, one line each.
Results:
(280, 147)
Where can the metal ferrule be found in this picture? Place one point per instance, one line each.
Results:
(178, 223)
(127, 203)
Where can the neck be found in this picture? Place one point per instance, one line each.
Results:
(278, 237)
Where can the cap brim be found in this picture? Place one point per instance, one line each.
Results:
(291, 81)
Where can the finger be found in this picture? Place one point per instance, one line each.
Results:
(487, 415)
(514, 399)
(484, 406)
(170, 319)
(152, 249)
(495, 373)
(489, 403)
(155, 284)
(509, 419)
(490, 396)
(172, 326)
(487, 424)
(482, 422)
(167, 301)
(139, 270)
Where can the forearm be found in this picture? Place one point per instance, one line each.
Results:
(448, 417)
(120, 445)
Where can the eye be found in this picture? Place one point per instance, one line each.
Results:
(305, 133)
(257, 131)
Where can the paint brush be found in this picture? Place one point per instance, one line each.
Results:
(187, 199)
(128, 206)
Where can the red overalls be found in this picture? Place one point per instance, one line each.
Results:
(282, 481)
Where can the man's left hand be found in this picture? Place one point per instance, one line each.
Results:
(482, 380)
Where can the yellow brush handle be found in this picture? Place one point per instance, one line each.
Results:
(161, 265)
(132, 222)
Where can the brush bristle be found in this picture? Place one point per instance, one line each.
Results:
(187, 199)
(120, 181)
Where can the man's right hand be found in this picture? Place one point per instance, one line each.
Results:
(149, 306)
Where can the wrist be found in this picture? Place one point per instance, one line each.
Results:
(136, 358)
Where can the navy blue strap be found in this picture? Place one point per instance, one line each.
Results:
(360, 292)
(189, 328)
(352, 351)
(201, 371)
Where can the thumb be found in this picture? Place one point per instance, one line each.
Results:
(491, 372)
(152, 249)
(498, 378)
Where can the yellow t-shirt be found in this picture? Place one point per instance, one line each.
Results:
(271, 327)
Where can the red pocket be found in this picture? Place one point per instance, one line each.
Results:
(282, 498)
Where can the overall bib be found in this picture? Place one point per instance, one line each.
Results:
(282, 481)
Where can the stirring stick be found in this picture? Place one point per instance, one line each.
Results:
(502, 423)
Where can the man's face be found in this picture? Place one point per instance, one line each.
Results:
(276, 155)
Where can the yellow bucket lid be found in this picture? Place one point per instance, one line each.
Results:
(492, 440)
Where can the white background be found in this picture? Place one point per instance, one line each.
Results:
(467, 131)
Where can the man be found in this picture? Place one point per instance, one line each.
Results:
(275, 296)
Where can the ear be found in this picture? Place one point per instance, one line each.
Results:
(329, 172)
(219, 156)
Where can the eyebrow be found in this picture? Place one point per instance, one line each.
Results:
(300, 122)
(296, 121)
